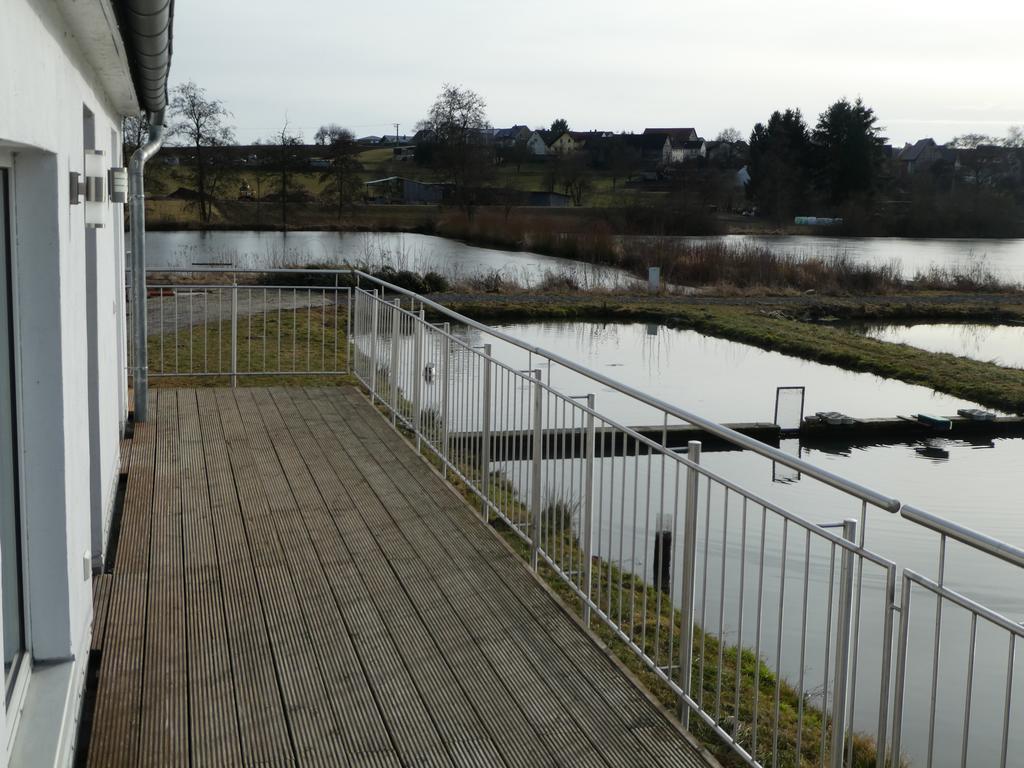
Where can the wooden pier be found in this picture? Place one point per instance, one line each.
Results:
(292, 585)
(565, 443)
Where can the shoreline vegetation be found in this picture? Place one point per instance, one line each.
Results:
(746, 294)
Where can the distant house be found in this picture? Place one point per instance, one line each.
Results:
(686, 151)
(539, 141)
(506, 137)
(919, 156)
(396, 189)
(372, 140)
(653, 147)
(563, 144)
(676, 134)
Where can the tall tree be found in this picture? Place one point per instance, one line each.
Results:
(623, 160)
(848, 151)
(286, 162)
(572, 172)
(779, 162)
(971, 140)
(1014, 137)
(135, 131)
(200, 122)
(730, 135)
(559, 126)
(342, 180)
(460, 150)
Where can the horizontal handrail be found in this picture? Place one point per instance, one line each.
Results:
(999, 549)
(247, 270)
(848, 486)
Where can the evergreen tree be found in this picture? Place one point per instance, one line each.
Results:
(848, 151)
(779, 162)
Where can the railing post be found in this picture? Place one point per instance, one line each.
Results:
(417, 379)
(396, 323)
(536, 451)
(844, 622)
(446, 362)
(900, 682)
(234, 331)
(350, 342)
(587, 532)
(485, 435)
(689, 566)
(373, 346)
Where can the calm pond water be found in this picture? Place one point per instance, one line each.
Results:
(1004, 258)
(976, 484)
(999, 344)
(420, 253)
(721, 380)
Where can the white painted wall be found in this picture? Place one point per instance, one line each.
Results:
(69, 440)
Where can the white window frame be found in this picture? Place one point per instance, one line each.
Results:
(21, 684)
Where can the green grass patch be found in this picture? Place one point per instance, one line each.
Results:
(312, 341)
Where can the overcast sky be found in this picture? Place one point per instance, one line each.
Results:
(933, 68)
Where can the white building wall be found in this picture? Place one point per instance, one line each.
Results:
(69, 440)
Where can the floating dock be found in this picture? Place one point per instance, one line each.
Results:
(564, 443)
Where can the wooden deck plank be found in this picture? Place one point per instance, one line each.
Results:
(293, 585)
(419, 724)
(116, 716)
(101, 609)
(262, 727)
(505, 636)
(550, 625)
(535, 697)
(164, 720)
(213, 714)
(310, 721)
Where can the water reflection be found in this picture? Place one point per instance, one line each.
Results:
(419, 253)
(722, 380)
(999, 344)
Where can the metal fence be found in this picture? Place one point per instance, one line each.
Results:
(790, 640)
(261, 327)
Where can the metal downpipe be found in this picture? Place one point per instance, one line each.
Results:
(137, 200)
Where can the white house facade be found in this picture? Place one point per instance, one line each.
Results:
(69, 71)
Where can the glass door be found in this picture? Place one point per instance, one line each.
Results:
(10, 513)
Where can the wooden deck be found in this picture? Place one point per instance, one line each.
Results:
(293, 585)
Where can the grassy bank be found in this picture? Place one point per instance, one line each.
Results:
(791, 330)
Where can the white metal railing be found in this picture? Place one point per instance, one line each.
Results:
(790, 640)
(219, 327)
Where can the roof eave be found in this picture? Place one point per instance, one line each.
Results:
(95, 29)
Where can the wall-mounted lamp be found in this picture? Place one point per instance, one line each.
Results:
(95, 189)
(117, 181)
